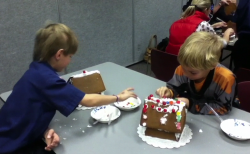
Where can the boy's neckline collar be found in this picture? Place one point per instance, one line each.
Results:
(206, 83)
(46, 64)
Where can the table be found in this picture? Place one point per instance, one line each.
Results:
(121, 136)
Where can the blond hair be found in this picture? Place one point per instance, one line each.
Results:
(201, 50)
(200, 5)
(53, 38)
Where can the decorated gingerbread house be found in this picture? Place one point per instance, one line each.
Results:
(163, 118)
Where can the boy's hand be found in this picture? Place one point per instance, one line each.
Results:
(229, 32)
(126, 94)
(184, 100)
(52, 139)
(225, 2)
(163, 92)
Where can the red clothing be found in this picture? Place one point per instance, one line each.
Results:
(182, 29)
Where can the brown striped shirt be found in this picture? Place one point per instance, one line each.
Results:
(218, 90)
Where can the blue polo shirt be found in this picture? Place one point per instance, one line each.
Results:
(31, 106)
(242, 18)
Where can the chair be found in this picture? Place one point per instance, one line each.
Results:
(242, 74)
(230, 48)
(243, 95)
(163, 64)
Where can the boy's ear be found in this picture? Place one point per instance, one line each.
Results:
(58, 54)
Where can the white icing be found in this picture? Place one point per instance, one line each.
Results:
(169, 109)
(176, 107)
(163, 121)
(180, 108)
(177, 135)
(144, 124)
(85, 74)
(165, 115)
(145, 116)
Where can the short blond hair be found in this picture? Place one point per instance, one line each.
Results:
(200, 5)
(53, 38)
(201, 50)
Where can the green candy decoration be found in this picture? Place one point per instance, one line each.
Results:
(178, 118)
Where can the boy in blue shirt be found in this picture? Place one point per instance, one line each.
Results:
(25, 117)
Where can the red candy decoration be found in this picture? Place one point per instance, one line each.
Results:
(178, 102)
(145, 106)
(159, 109)
(151, 95)
(153, 106)
(158, 101)
(173, 110)
(164, 103)
(165, 110)
(144, 110)
(84, 71)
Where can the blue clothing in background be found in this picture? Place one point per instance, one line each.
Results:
(242, 18)
(241, 49)
(25, 116)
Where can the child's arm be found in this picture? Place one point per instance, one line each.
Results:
(91, 100)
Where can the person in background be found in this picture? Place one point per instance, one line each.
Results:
(241, 50)
(216, 10)
(194, 19)
(28, 111)
(200, 78)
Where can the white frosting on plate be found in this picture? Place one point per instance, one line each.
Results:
(129, 104)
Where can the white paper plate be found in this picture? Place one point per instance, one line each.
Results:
(236, 129)
(129, 104)
(102, 113)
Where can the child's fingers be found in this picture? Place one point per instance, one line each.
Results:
(129, 89)
(167, 93)
(49, 138)
(130, 94)
(163, 91)
(54, 142)
(134, 95)
(50, 133)
(47, 149)
(157, 92)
